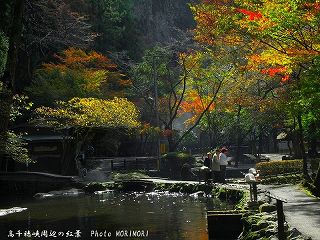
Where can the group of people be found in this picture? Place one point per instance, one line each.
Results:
(216, 163)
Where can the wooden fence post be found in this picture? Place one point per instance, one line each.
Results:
(280, 215)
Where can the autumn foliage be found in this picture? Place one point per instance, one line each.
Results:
(278, 35)
(90, 112)
(251, 15)
(76, 73)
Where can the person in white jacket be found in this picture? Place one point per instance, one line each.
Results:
(215, 166)
(223, 164)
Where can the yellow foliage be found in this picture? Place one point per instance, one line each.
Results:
(91, 112)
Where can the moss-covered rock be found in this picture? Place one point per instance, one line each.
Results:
(116, 176)
(183, 187)
(259, 226)
(228, 194)
(266, 207)
(93, 187)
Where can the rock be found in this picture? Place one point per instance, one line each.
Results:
(4, 212)
(252, 205)
(93, 187)
(43, 195)
(271, 232)
(263, 224)
(266, 207)
(63, 193)
(198, 194)
(103, 192)
(294, 234)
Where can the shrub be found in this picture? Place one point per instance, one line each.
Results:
(287, 179)
(15, 148)
(172, 162)
(279, 167)
(181, 156)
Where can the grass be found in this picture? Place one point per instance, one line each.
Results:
(129, 175)
(309, 189)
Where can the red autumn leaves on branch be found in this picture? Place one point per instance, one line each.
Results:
(277, 70)
(252, 15)
(270, 71)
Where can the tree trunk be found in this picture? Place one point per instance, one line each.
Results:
(290, 150)
(296, 144)
(15, 32)
(260, 150)
(312, 141)
(171, 142)
(254, 144)
(238, 137)
(5, 106)
(275, 141)
(8, 79)
(316, 181)
(303, 151)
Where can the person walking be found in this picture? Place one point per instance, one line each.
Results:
(223, 164)
(215, 166)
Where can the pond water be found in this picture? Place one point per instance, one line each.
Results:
(111, 215)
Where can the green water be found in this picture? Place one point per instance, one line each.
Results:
(147, 215)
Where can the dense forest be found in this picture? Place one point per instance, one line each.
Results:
(191, 73)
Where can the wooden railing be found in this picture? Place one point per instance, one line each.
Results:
(128, 163)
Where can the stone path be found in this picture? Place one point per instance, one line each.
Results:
(301, 211)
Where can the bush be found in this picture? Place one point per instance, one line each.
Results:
(287, 179)
(15, 148)
(279, 167)
(172, 162)
(181, 156)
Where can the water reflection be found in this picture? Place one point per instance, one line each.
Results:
(163, 215)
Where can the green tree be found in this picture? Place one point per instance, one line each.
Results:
(114, 23)
(10, 29)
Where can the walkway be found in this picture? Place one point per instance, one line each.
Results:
(301, 212)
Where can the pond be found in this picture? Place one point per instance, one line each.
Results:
(113, 215)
